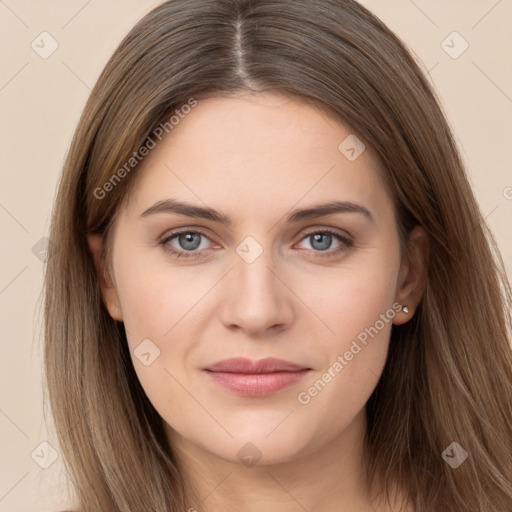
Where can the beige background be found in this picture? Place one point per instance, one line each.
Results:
(41, 100)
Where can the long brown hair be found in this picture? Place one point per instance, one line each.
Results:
(448, 376)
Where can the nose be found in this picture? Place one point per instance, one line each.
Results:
(257, 299)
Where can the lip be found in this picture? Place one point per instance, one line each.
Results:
(244, 365)
(256, 378)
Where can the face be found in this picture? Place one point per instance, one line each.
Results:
(264, 277)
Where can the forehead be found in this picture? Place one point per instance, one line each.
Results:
(253, 152)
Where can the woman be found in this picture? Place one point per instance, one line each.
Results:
(269, 284)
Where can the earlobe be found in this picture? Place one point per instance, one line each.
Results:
(108, 290)
(413, 275)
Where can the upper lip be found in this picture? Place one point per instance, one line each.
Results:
(244, 365)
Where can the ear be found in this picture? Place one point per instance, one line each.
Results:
(413, 274)
(106, 283)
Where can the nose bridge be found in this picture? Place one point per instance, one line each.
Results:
(253, 262)
(257, 296)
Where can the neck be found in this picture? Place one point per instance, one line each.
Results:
(328, 476)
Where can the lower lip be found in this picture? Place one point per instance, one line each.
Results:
(257, 384)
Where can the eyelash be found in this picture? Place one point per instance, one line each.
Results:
(346, 243)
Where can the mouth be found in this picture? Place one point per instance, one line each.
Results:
(256, 378)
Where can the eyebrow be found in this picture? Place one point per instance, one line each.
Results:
(190, 210)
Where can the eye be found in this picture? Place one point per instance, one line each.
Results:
(188, 243)
(321, 241)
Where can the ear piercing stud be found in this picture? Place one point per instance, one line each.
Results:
(405, 309)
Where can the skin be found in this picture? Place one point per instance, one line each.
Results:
(254, 158)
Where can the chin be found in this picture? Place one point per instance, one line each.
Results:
(258, 449)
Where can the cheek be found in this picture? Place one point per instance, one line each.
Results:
(160, 305)
(355, 307)
(156, 299)
(351, 297)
